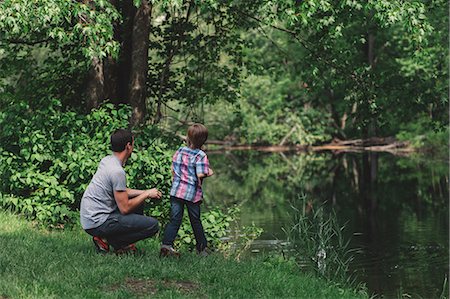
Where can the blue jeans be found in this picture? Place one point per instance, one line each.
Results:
(122, 230)
(176, 216)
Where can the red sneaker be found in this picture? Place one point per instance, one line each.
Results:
(101, 245)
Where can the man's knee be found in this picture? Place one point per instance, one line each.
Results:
(153, 228)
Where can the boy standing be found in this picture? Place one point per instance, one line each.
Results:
(189, 167)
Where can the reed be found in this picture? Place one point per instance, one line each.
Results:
(318, 244)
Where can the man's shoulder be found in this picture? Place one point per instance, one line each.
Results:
(111, 161)
(111, 165)
(107, 160)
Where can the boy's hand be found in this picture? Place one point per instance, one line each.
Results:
(210, 172)
(153, 193)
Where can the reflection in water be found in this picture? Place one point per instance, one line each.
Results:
(395, 209)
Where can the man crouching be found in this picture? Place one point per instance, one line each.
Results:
(110, 212)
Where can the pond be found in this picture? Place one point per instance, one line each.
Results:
(395, 209)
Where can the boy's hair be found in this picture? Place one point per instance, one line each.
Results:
(197, 135)
(120, 138)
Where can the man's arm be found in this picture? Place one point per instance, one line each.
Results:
(127, 205)
(133, 192)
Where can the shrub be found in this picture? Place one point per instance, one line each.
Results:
(48, 156)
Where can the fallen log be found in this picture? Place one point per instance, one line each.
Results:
(374, 144)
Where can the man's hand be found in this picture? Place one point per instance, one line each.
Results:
(210, 172)
(153, 193)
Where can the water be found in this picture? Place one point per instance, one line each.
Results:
(395, 210)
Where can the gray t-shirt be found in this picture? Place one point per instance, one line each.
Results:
(98, 200)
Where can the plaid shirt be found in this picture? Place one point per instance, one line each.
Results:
(186, 164)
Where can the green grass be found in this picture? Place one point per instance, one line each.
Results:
(37, 263)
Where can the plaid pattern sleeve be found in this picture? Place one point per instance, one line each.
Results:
(202, 165)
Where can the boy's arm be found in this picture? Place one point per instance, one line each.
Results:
(204, 175)
(202, 169)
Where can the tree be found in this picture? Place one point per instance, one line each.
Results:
(116, 37)
(359, 61)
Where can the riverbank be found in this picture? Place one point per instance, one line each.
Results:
(37, 263)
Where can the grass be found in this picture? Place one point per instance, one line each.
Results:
(37, 263)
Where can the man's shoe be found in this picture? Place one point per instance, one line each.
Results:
(168, 251)
(129, 249)
(101, 245)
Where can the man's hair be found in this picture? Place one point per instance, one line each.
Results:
(197, 135)
(120, 138)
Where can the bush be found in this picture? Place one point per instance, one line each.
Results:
(49, 156)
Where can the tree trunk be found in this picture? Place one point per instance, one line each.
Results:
(95, 85)
(128, 11)
(139, 62)
(105, 77)
(111, 80)
(372, 131)
(110, 66)
(123, 81)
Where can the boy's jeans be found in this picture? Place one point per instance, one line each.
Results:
(122, 230)
(176, 216)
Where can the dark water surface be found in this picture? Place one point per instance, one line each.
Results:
(395, 210)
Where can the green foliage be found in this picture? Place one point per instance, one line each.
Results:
(194, 55)
(428, 136)
(49, 156)
(242, 239)
(371, 64)
(268, 115)
(321, 67)
(47, 47)
(61, 23)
